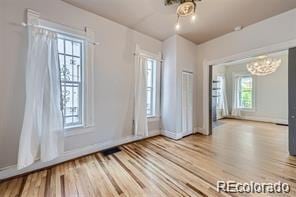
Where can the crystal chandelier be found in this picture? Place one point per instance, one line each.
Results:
(264, 66)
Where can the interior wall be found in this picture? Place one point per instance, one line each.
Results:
(179, 55)
(186, 61)
(274, 30)
(114, 72)
(271, 91)
(169, 93)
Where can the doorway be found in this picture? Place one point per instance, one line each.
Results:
(244, 103)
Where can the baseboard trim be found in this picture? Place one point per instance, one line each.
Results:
(260, 119)
(172, 135)
(12, 171)
(154, 133)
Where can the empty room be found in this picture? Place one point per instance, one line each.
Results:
(147, 98)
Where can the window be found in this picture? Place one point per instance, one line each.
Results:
(151, 87)
(70, 52)
(245, 92)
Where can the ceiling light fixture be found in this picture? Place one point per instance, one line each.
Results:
(185, 8)
(264, 65)
(177, 26)
(193, 18)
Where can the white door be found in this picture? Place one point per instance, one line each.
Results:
(187, 102)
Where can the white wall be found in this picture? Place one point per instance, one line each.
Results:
(114, 64)
(169, 91)
(179, 55)
(186, 61)
(271, 91)
(278, 29)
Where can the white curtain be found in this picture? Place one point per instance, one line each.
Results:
(42, 131)
(235, 92)
(140, 114)
(225, 111)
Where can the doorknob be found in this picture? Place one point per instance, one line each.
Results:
(293, 117)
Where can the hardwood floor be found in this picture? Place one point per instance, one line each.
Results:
(238, 150)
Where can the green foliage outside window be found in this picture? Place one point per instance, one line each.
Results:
(246, 92)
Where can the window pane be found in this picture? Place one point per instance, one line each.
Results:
(149, 78)
(68, 47)
(245, 94)
(62, 60)
(71, 100)
(150, 70)
(68, 69)
(76, 69)
(61, 45)
(76, 49)
(70, 60)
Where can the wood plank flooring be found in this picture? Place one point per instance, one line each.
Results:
(238, 150)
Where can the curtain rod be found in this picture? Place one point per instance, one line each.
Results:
(57, 31)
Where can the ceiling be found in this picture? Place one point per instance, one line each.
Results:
(214, 17)
(278, 54)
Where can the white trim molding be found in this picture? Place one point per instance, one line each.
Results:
(172, 135)
(12, 170)
(261, 119)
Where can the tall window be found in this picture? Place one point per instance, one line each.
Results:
(71, 65)
(151, 87)
(245, 92)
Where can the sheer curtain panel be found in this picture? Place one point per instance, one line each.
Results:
(42, 131)
(235, 92)
(225, 111)
(140, 114)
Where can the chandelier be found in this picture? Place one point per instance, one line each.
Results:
(185, 8)
(264, 66)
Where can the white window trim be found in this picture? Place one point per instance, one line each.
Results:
(88, 35)
(156, 57)
(246, 74)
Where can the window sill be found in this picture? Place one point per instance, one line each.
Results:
(77, 130)
(153, 118)
(74, 127)
(248, 110)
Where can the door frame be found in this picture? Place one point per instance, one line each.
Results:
(207, 65)
(292, 100)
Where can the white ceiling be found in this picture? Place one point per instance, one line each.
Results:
(214, 17)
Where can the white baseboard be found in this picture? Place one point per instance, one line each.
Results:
(261, 119)
(172, 135)
(154, 133)
(195, 130)
(201, 130)
(12, 171)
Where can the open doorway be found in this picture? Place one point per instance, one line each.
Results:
(242, 94)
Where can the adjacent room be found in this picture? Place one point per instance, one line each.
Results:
(147, 98)
(247, 90)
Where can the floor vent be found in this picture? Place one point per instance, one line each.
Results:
(110, 151)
